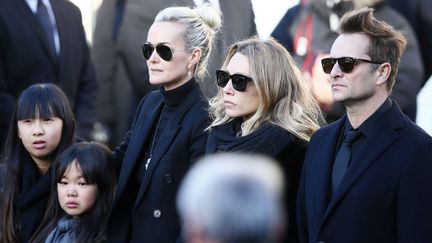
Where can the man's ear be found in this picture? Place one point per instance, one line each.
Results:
(383, 73)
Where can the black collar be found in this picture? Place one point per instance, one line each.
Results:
(174, 97)
(368, 126)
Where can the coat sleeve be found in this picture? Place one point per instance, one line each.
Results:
(120, 150)
(104, 58)
(6, 99)
(85, 106)
(302, 224)
(414, 211)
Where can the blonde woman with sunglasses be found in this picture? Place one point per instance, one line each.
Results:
(263, 106)
(167, 134)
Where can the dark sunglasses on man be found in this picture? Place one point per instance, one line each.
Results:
(239, 81)
(346, 64)
(165, 52)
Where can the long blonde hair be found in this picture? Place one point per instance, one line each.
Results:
(284, 97)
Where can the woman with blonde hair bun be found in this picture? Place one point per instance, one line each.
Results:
(263, 106)
(167, 134)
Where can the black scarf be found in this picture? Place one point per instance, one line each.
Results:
(31, 200)
(272, 141)
(269, 139)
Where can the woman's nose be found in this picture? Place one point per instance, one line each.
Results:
(154, 57)
(228, 89)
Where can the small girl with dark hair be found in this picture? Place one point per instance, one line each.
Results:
(42, 126)
(82, 193)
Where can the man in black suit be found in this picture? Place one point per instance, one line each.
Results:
(375, 186)
(30, 53)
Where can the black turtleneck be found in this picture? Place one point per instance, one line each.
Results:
(171, 99)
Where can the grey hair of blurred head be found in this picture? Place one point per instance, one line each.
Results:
(233, 198)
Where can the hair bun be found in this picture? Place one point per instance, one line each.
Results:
(210, 16)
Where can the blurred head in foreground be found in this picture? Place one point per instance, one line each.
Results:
(232, 198)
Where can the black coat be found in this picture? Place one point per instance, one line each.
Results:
(181, 143)
(25, 59)
(386, 193)
(271, 141)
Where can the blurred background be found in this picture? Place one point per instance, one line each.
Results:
(266, 15)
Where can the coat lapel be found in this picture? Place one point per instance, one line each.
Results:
(166, 139)
(32, 20)
(382, 137)
(139, 136)
(323, 167)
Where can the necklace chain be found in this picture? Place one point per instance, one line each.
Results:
(154, 139)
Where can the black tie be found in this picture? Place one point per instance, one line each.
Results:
(343, 158)
(45, 21)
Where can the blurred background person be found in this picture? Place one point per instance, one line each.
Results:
(167, 135)
(238, 23)
(232, 198)
(263, 106)
(308, 30)
(44, 41)
(417, 12)
(122, 73)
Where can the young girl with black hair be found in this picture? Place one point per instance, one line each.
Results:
(82, 193)
(42, 126)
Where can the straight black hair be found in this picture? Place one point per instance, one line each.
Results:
(96, 164)
(38, 100)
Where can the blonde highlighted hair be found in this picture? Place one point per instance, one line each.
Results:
(284, 97)
(201, 23)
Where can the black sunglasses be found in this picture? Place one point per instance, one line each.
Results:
(162, 50)
(346, 64)
(239, 81)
